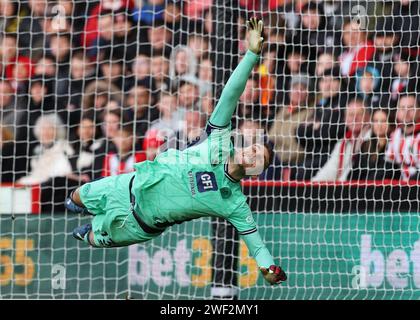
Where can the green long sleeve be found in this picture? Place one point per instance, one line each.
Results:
(258, 250)
(234, 88)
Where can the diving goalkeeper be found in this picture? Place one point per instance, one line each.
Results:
(200, 181)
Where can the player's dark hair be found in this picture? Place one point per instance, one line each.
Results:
(269, 146)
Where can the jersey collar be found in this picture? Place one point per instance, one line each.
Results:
(228, 175)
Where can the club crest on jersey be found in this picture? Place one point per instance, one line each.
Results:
(206, 181)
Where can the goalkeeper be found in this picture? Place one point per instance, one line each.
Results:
(200, 181)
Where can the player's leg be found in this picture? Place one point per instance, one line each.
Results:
(84, 233)
(74, 203)
(113, 229)
(113, 224)
(88, 198)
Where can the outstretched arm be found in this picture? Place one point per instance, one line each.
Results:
(235, 86)
(244, 222)
(271, 272)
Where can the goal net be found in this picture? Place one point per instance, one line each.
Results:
(89, 88)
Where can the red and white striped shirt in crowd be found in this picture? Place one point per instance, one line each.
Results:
(340, 162)
(404, 150)
(355, 58)
(113, 165)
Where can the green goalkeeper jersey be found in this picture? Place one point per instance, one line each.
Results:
(183, 185)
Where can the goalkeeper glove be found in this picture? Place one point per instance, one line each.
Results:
(255, 41)
(274, 275)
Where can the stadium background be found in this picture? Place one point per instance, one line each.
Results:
(89, 87)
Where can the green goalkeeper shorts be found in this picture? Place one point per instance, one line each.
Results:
(113, 224)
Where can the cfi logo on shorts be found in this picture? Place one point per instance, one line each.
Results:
(206, 181)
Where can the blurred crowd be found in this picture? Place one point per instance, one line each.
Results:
(88, 88)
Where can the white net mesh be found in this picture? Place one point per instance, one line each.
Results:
(88, 88)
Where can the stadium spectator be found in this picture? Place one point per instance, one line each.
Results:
(326, 60)
(117, 37)
(319, 134)
(46, 67)
(92, 26)
(368, 86)
(10, 15)
(291, 11)
(60, 49)
(404, 76)
(74, 12)
(182, 64)
(206, 104)
(124, 158)
(51, 155)
(208, 21)
(194, 10)
(81, 74)
(150, 12)
(191, 131)
(199, 45)
(152, 143)
(111, 71)
(111, 121)
(386, 39)
(171, 117)
(6, 136)
(7, 155)
(17, 68)
(8, 110)
(335, 12)
(406, 15)
(205, 72)
(370, 162)
(267, 71)
(172, 14)
(296, 63)
(31, 35)
(140, 73)
(141, 108)
(250, 103)
(340, 163)
(283, 131)
(358, 49)
(311, 33)
(403, 145)
(41, 98)
(158, 39)
(55, 22)
(112, 105)
(275, 56)
(159, 70)
(8, 49)
(205, 76)
(188, 94)
(86, 162)
(98, 93)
